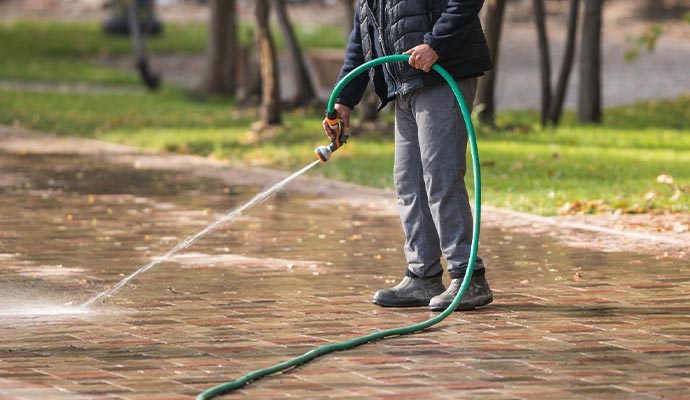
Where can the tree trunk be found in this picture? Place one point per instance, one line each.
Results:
(248, 76)
(568, 56)
(151, 80)
(589, 96)
(349, 6)
(305, 89)
(544, 58)
(270, 93)
(493, 22)
(368, 107)
(219, 72)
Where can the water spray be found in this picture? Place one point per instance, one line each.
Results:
(190, 240)
(324, 153)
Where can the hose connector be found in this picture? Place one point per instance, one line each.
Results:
(338, 137)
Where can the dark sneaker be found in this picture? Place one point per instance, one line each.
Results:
(410, 292)
(478, 294)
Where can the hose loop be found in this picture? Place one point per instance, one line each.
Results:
(319, 351)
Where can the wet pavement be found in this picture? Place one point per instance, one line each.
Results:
(293, 273)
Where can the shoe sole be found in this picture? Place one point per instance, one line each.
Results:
(405, 304)
(465, 307)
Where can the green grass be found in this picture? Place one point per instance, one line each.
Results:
(60, 51)
(594, 166)
(609, 167)
(48, 51)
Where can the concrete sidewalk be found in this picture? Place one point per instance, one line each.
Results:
(295, 273)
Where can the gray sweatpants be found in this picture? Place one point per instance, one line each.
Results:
(430, 166)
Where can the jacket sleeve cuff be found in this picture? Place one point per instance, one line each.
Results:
(439, 47)
(346, 101)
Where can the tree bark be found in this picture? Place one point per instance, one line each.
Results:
(349, 6)
(493, 23)
(270, 93)
(544, 58)
(249, 68)
(589, 95)
(368, 107)
(568, 57)
(305, 89)
(220, 70)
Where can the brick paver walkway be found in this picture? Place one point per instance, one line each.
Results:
(295, 273)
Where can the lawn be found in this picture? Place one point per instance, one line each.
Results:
(45, 51)
(611, 167)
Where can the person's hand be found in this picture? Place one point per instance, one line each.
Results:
(422, 57)
(344, 114)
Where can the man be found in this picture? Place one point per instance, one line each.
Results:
(430, 135)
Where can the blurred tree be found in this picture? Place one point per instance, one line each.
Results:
(646, 40)
(493, 22)
(305, 92)
(349, 6)
(222, 50)
(556, 107)
(589, 93)
(368, 107)
(657, 10)
(119, 21)
(544, 58)
(270, 93)
(141, 55)
(651, 35)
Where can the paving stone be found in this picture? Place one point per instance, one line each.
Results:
(621, 330)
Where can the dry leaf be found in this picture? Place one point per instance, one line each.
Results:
(680, 227)
(651, 195)
(665, 179)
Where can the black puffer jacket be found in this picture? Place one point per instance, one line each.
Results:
(385, 27)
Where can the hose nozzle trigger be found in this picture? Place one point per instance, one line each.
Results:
(339, 137)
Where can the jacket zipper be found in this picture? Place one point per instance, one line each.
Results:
(383, 48)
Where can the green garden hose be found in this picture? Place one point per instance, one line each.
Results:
(319, 351)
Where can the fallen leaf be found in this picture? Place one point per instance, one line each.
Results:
(665, 179)
(681, 227)
(676, 195)
(571, 207)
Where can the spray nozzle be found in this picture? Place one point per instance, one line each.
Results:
(323, 152)
(339, 137)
